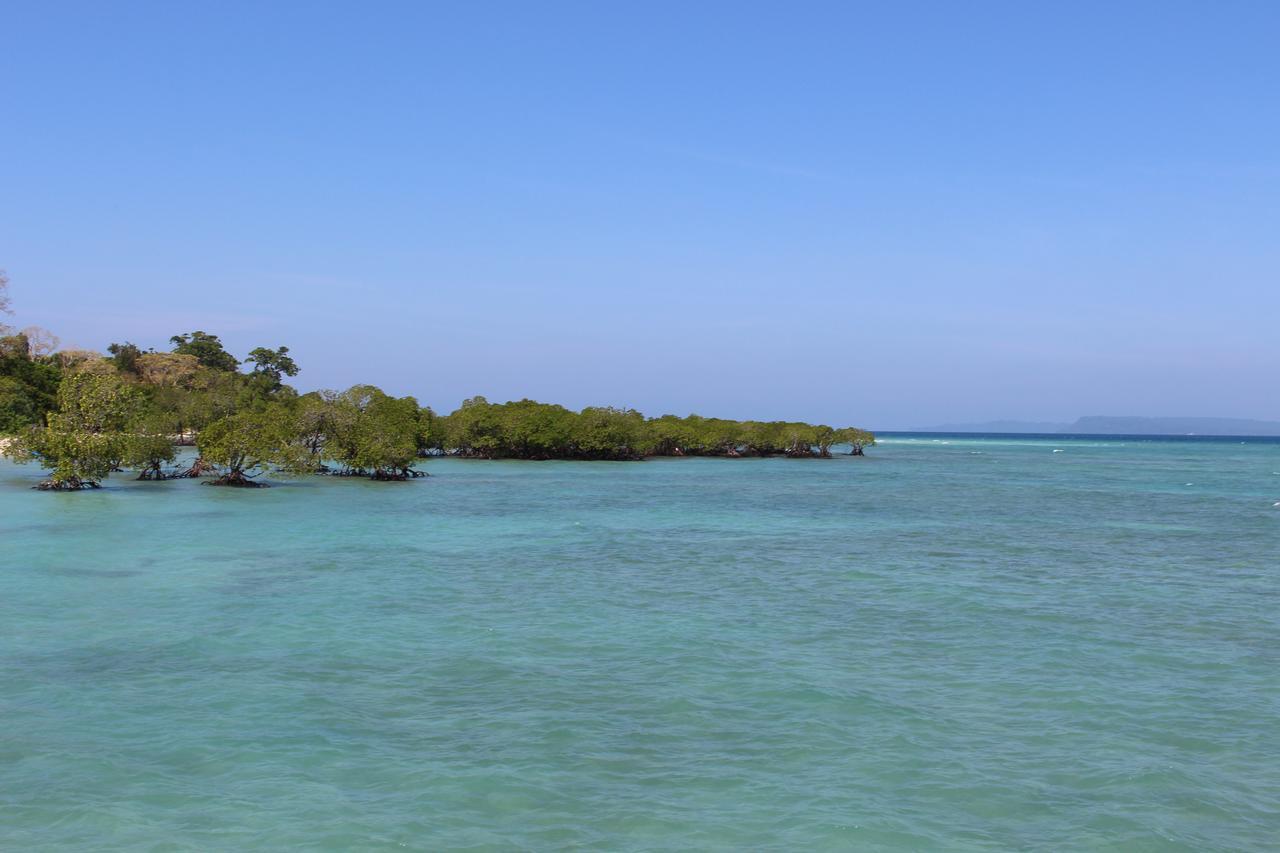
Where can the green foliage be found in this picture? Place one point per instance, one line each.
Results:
(15, 347)
(247, 444)
(432, 431)
(711, 437)
(76, 459)
(474, 429)
(530, 430)
(207, 349)
(148, 444)
(28, 386)
(602, 432)
(96, 403)
(211, 395)
(823, 437)
(272, 365)
(187, 395)
(87, 437)
(526, 429)
(82, 415)
(18, 406)
(373, 433)
(364, 430)
(316, 417)
(125, 357)
(698, 436)
(148, 452)
(857, 439)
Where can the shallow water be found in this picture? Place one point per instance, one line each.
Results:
(954, 643)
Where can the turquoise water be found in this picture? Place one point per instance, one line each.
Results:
(963, 644)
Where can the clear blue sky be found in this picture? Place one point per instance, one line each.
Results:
(888, 214)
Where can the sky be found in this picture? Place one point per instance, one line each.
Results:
(880, 214)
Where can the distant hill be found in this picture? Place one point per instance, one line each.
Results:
(1116, 425)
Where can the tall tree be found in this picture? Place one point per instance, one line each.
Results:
(207, 349)
(272, 364)
(125, 356)
(375, 434)
(248, 444)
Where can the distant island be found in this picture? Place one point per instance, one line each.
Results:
(1121, 425)
(83, 415)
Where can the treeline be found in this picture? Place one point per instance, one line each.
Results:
(530, 430)
(85, 415)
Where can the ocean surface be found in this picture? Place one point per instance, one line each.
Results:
(955, 643)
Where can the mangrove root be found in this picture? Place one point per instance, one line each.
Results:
(74, 484)
(238, 480)
(199, 468)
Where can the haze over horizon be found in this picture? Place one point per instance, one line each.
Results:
(836, 213)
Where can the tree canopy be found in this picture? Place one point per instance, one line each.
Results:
(373, 433)
(87, 436)
(246, 444)
(207, 349)
(273, 364)
(28, 386)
